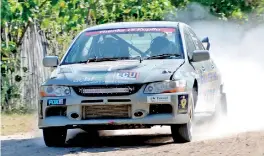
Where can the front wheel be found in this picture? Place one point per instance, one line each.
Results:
(182, 133)
(55, 137)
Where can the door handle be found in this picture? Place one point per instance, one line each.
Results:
(212, 66)
(203, 69)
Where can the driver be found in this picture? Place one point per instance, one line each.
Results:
(109, 47)
(159, 45)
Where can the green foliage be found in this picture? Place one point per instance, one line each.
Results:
(236, 9)
(125, 10)
(179, 3)
(16, 18)
(260, 7)
(8, 90)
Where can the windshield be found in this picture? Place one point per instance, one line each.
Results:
(128, 43)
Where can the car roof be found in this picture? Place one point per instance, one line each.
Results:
(144, 24)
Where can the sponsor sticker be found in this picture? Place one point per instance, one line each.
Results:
(209, 77)
(127, 75)
(166, 30)
(56, 102)
(183, 104)
(94, 78)
(155, 99)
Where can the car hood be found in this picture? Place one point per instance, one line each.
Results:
(114, 72)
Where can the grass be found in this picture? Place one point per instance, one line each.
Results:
(17, 123)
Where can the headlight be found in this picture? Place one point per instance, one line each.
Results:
(166, 87)
(54, 91)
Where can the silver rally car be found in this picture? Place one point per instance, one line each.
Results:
(131, 75)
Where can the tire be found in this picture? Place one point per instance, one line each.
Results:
(223, 102)
(55, 137)
(182, 133)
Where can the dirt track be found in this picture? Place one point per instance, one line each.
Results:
(80, 143)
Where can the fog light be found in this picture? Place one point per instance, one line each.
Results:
(74, 115)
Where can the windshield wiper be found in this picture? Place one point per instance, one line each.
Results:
(113, 59)
(138, 58)
(79, 62)
(103, 59)
(163, 56)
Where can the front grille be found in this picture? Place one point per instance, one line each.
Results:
(107, 90)
(106, 111)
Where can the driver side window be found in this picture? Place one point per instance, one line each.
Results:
(189, 43)
(197, 42)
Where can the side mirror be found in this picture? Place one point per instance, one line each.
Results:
(206, 43)
(200, 55)
(50, 61)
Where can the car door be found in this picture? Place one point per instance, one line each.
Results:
(210, 76)
(216, 81)
(201, 69)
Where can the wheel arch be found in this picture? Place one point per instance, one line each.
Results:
(196, 91)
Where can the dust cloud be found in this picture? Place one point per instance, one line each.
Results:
(239, 55)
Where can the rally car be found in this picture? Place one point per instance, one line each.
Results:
(131, 75)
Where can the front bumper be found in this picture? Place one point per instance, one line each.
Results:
(138, 102)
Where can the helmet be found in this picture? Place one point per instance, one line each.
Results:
(109, 47)
(158, 45)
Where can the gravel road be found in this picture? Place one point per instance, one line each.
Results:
(140, 142)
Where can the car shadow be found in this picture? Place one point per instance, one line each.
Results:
(84, 139)
(84, 142)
